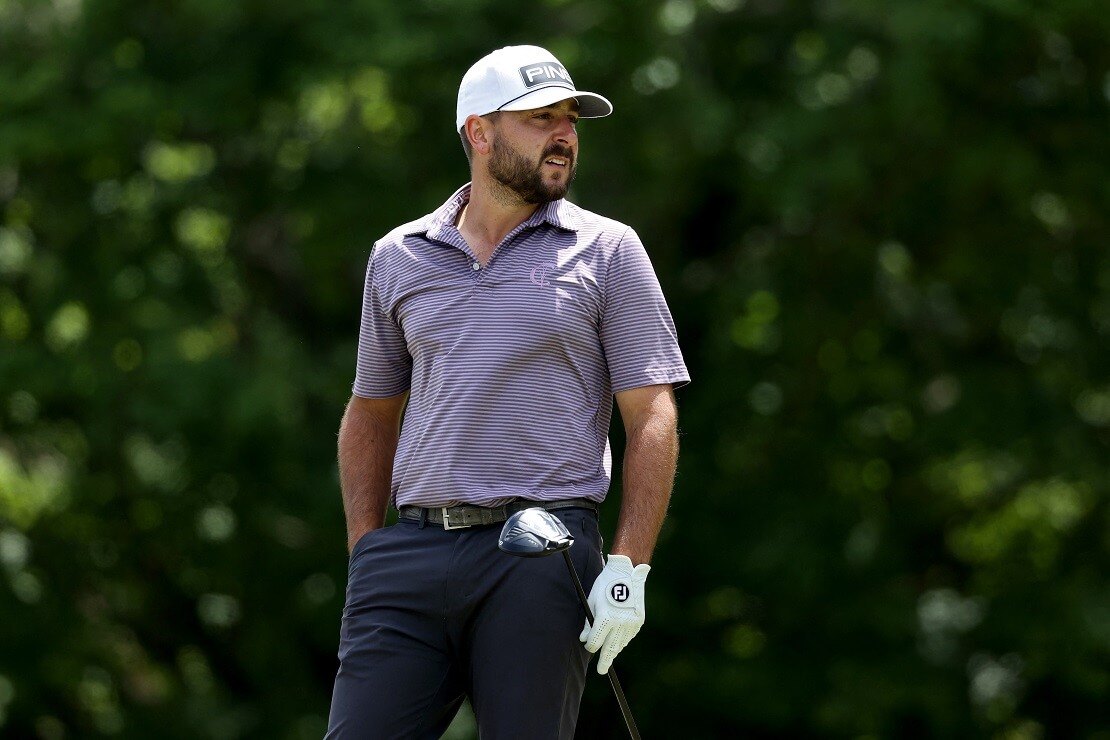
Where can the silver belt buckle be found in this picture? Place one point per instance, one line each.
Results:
(447, 524)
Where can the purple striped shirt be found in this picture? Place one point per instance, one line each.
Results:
(511, 366)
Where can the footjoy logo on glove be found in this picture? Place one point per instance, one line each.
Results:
(619, 592)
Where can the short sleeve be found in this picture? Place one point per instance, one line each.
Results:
(637, 331)
(384, 367)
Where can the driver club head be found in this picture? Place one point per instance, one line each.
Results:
(534, 533)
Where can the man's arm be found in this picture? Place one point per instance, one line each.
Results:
(650, 419)
(651, 451)
(367, 443)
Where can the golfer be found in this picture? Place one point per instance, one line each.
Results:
(496, 332)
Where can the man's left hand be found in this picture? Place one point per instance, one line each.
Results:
(617, 601)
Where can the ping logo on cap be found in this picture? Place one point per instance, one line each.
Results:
(545, 73)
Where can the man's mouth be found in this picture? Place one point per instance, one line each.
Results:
(557, 161)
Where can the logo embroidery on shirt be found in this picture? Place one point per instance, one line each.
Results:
(538, 276)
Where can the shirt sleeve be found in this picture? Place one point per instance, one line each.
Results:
(384, 367)
(637, 331)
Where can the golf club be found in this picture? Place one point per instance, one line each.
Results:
(535, 533)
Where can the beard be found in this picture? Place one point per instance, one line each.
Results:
(513, 170)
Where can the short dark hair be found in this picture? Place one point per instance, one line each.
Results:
(492, 116)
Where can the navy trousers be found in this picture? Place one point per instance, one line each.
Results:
(433, 616)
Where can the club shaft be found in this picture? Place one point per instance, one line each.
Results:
(625, 709)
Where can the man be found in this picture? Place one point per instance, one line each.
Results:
(502, 325)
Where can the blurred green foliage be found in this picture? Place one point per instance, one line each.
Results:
(882, 230)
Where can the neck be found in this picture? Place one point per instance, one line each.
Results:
(491, 213)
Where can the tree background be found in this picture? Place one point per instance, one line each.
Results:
(882, 231)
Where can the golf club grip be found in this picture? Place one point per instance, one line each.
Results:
(626, 710)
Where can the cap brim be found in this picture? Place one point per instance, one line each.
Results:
(590, 105)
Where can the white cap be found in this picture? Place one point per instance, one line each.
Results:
(521, 78)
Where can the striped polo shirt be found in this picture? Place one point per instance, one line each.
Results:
(511, 366)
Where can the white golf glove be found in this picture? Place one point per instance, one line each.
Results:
(617, 601)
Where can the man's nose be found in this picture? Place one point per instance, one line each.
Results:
(566, 133)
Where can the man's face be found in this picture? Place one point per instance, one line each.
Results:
(534, 152)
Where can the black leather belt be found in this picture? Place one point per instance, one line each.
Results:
(468, 515)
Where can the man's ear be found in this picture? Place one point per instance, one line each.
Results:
(479, 131)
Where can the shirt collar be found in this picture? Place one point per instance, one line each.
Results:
(559, 213)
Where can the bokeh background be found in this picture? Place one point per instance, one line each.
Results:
(882, 229)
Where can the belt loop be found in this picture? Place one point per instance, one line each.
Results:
(423, 517)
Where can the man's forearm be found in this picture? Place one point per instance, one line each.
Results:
(651, 454)
(367, 444)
